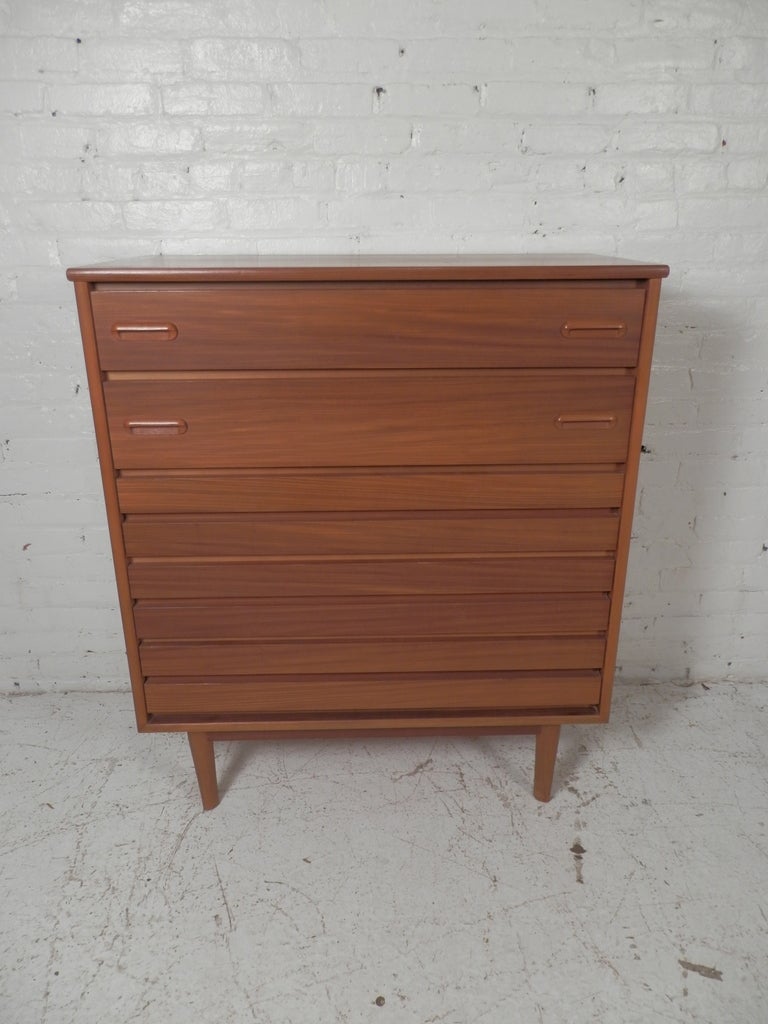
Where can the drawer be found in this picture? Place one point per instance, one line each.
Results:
(325, 533)
(472, 615)
(483, 654)
(209, 578)
(371, 420)
(589, 487)
(300, 326)
(233, 695)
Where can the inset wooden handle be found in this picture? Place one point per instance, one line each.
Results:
(586, 419)
(145, 332)
(595, 328)
(156, 426)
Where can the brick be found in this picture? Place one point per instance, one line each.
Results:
(702, 174)
(129, 60)
(267, 136)
(208, 176)
(21, 97)
(447, 173)
(29, 58)
(672, 16)
(190, 18)
(492, 136)
(520, 100)
(601, 16)
(220, 99)
(48, 138)
(565, 137)
(146, 137)
(371, 135)
(733, 100)
(355, 59)
(748, 211)
(361, 174)
(85, 215)
(742, 59)
(665, 54)
(464, 58)
(402, 99)
(266, 175)
(40, 178)
(748, 174)
(244, 59)
(548, 58)
(288, 99)
(392, 211)
(170, 215)
(107, 176)
(661, 136)
(744, 136)
(640, 98)
(313, 175)
(102, 99)
(157, 179)
(284, 213)
(51, 18)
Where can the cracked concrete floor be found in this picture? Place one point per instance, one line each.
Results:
(372, 881)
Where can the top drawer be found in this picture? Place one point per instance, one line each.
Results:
(367, 326)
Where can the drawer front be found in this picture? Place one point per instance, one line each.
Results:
(472, 615)
(187, 536)
(166, 578)
(593, 487)
(421, 692)
(483, 654)
(374, 420)
(290, 326)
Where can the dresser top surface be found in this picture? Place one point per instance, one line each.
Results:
(499, 267)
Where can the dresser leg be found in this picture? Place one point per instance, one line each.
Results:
(547, 739)
(201, 745)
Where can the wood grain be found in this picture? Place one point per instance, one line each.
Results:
(397, 267)
(369, 496)
(321, 490)
(165, 578)
(382, 617)
(295, 694)
(484, 654)
(372, 533)
(347, 326)
(370, 421)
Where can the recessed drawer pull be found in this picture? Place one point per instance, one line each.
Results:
(142, 332)
(601, 420)
(156, 426)
(599, 328)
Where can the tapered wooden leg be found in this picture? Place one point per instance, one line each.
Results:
(201, 745)
(546, 753)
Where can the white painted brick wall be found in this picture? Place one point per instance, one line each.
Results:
(629, 127)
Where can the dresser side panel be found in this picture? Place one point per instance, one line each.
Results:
(108, 479)
(643, 374)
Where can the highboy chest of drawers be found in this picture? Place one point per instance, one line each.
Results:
(369, 496)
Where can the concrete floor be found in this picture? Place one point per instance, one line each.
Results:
(406, 881)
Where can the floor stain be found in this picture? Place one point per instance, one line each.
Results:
(422, 766)
(705, 972)
(578, 852)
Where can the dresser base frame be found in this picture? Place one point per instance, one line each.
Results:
(203, 757)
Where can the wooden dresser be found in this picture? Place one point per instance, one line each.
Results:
(369, 496)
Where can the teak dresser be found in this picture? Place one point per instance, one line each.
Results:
(369, 496)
